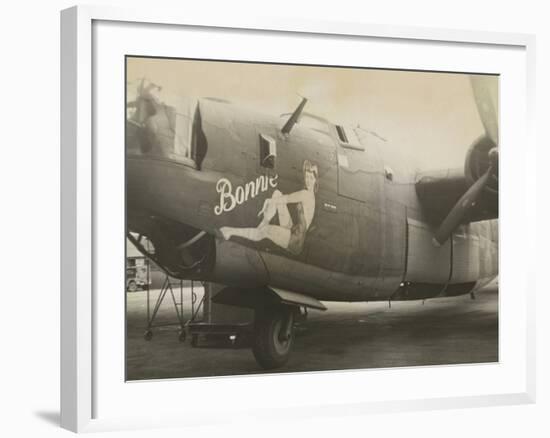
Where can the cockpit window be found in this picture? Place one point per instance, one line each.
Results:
(199, 145)
(186, 127)
(183, 131)
(169, 131)
(189, 139)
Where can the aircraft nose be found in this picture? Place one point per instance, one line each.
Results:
(133, 135)
(148, 138)
(165, 131)
(167, 189)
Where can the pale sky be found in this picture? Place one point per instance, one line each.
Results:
(430, 115)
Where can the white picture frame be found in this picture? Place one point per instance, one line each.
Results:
(82, 370)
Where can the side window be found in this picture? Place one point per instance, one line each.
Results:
(183, 137)
(348, 138)
(190, 145)
(268, 151)
(186, 111)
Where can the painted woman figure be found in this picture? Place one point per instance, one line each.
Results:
(287, 235)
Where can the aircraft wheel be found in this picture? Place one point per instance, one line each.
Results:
(273, 336)
(182, 336)
(148, 335)
(132, 286)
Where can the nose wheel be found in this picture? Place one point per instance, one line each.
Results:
(273, 336)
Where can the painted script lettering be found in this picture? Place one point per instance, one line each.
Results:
(230, 198)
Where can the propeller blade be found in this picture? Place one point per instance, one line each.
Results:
(461, 208)
(483, 89)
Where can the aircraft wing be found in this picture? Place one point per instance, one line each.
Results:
(440, 191)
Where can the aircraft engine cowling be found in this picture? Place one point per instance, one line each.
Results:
(482, 154)
(480, 201)
(441, 192)
(482, 164)
(460, 196)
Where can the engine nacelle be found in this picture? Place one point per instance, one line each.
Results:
(482, 154)
(440, 191)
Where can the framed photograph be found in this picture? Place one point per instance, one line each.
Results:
(253, 208)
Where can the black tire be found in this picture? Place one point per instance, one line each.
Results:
(132, 286)
(148, 335)
(270, 348)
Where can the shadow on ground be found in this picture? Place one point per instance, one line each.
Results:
(348, 336)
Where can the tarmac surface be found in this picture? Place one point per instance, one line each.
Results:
(347, 336)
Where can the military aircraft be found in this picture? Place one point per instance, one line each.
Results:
(287, 211)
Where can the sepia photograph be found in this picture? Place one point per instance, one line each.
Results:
(285, 218)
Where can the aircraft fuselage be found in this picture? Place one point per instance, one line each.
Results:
(327, 211)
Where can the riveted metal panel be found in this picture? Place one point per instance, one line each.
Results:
(426, 262)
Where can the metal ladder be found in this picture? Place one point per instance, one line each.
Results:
(178, 307)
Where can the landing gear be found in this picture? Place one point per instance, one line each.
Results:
(273, 336)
